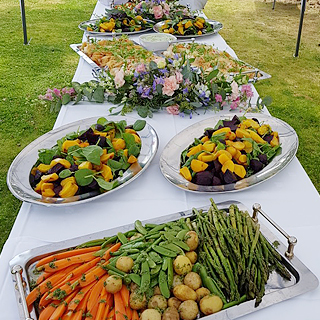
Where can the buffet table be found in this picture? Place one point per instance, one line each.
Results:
(289, 198)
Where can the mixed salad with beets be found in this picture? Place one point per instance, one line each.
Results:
(88, 161)
(232, 150)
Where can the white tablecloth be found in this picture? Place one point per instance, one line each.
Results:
(289, 198)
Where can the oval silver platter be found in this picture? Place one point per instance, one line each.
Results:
(103, 34)
(170, 157)
(217, 26)
(19, 171)
(276, 289)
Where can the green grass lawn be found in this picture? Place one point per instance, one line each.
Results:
(260, 36)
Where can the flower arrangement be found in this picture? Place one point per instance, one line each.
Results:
(175, 85)
(164, 83)
(159, 10)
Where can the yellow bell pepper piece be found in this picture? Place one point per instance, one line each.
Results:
(105, 157)
(198, 166)
(208, 146)
(68, 143)
(106, 172)
(50, 177)
(185, 172)
(118, 144)
(43, 167)
(63, 162)
(205, 157)
(205, 139)
(228, 165)
(194, 150)
(249, 123)
(223, 158)
(85, 165)
(242, 133)
(67, 180)
(68, 190)
(256, 137)
(239, 170)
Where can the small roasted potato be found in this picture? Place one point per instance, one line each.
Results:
(177, 279)
(202, 292)
(137, 300)
(174, 302)
(124, 264)
(188, 310)
(192, 280)
(158, 302)
(192, 240)
(210, 304)
(170, 313)
(182, 265)
(156, 290)
(150, 314)
(193, 256)
(113, 284)
(183, 293)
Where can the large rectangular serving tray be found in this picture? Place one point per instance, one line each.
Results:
(257, 74)
(277, 289)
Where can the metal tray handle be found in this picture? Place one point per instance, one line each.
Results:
(292, 241)
(17, 271)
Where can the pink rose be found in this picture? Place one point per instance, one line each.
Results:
(179, 77)
(166, 8)
(57, 92)
(246, 90)
(157, 11)
(218, 97)
(138, 6)
(174, 109)
(119, 78)
(170, 84)
(234, 105)
(141, 68)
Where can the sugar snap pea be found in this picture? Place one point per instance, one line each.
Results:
(183, 224)
(130, 233)
(145, 276)
(157, 228)
(135, 278)
(92, 243)
(155, 257)
(150, 225)
(170, 272)
(151, 263)
(171, 247)
(122, 238)
(139, 227)
(155, 270)
(164, 266)
(154, 282)
(163, 284)
(108, 241)
(182, 234)
(113, 268)
(164, 251)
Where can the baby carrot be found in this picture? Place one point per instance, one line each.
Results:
(135, 315)
(81, 308)
(63, 263)
(120, 311)
(47, 312)
(65, 254)
(57, 314)
(125, 295)
(114, 248)
(74, 303)
(95, 292)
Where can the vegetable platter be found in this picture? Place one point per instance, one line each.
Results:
(82, 161)
(191, 27)
(214, 262)
(178, 154)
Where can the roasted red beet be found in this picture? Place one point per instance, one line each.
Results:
(203, 178)
(268, 138)
(102, 142)
(57, 189)
(100, 127)
(38, 175)
(256, 165)
(84, 136)
(56, 169)
(263, 158)
(217, 165)
(229, 177)
(73, 168)
(208, 133)
(216, 181)
(233, 127)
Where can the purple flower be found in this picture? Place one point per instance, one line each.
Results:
(146, 92)
(247, 90)
(140, 89)
(57, 92)
(185, 90)
(176, 56)
(163, 71)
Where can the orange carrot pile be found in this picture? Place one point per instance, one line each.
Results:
(72, 287)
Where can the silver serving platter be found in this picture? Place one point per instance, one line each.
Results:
(217, 26)
(76, 48)
(170, 157)
(19, 171)
(277, 289)
(82, 26)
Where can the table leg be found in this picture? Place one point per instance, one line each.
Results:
(24, 25)
(303, 8)
(274, 4)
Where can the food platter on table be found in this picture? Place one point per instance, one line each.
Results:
(287, 279)
(214, 27)
(21, 169)
(170, 159)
